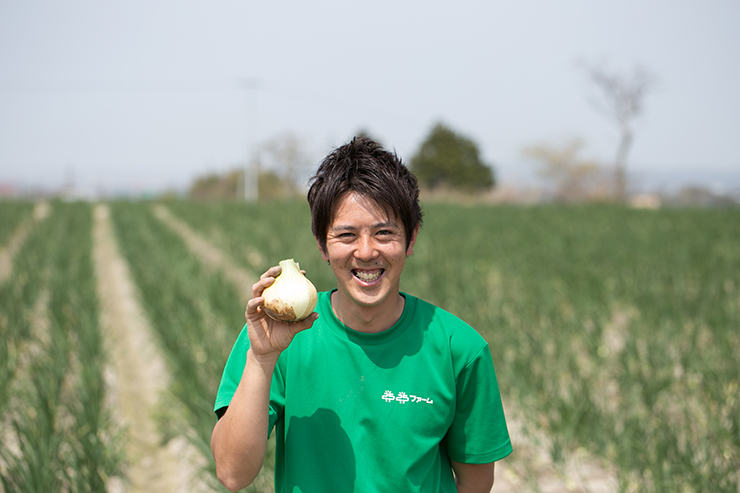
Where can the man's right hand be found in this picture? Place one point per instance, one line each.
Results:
(239, 439)
(267, 337)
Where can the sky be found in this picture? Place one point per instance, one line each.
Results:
(142, 96)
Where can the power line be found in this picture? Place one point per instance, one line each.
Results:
(118, 86)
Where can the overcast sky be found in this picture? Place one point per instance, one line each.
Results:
(145, 95)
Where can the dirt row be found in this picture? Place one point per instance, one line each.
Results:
(137, 377)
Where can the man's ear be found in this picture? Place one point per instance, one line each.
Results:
(324, 253)
(410, 249)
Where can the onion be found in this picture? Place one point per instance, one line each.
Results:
(292, 297)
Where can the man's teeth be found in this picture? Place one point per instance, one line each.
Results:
(368, 276)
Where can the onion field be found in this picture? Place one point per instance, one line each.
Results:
(615, 333)
(56, 429)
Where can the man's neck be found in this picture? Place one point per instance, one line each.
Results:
(368, 319)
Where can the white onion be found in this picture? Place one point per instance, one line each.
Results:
(292, 297)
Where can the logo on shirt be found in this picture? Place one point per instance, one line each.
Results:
(403, 398)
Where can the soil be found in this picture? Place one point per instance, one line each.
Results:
(137, 375)
(531, 469)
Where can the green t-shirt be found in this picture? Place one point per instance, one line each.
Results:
(380, 412)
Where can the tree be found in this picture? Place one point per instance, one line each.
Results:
(573, 178)
(622, 102)
(277, 170)
(215, 186)
(449, 160)
(286, 156)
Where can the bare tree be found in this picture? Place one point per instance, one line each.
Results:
(573, 178)
(286, 156)
(621, 102)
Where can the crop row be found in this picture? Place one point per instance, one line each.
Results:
(195, 313)
(56, 430)
(613, 330)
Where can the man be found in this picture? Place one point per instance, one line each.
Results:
(385, 392)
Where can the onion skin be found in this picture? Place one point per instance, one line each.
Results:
(291, 297)
(281, 312)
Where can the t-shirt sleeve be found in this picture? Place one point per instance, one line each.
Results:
(478, 434)
(232, 374)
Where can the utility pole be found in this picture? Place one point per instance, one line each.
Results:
(249, 187)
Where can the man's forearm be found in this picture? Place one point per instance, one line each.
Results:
(239, 439)
(473, 478)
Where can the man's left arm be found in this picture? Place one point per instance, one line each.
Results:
(473, 478)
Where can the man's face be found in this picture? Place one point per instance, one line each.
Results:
(367, 251)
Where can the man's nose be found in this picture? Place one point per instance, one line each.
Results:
(366, 249)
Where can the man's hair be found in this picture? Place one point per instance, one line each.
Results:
(363, 167)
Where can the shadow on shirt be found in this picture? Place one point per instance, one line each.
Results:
(320, 449)
(408, 342)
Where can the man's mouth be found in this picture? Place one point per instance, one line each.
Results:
(368, 275)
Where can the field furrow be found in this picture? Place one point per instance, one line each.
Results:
(139, 377)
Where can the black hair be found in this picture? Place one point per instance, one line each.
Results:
(363, 167)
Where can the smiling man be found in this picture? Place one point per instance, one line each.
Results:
(385, 392)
